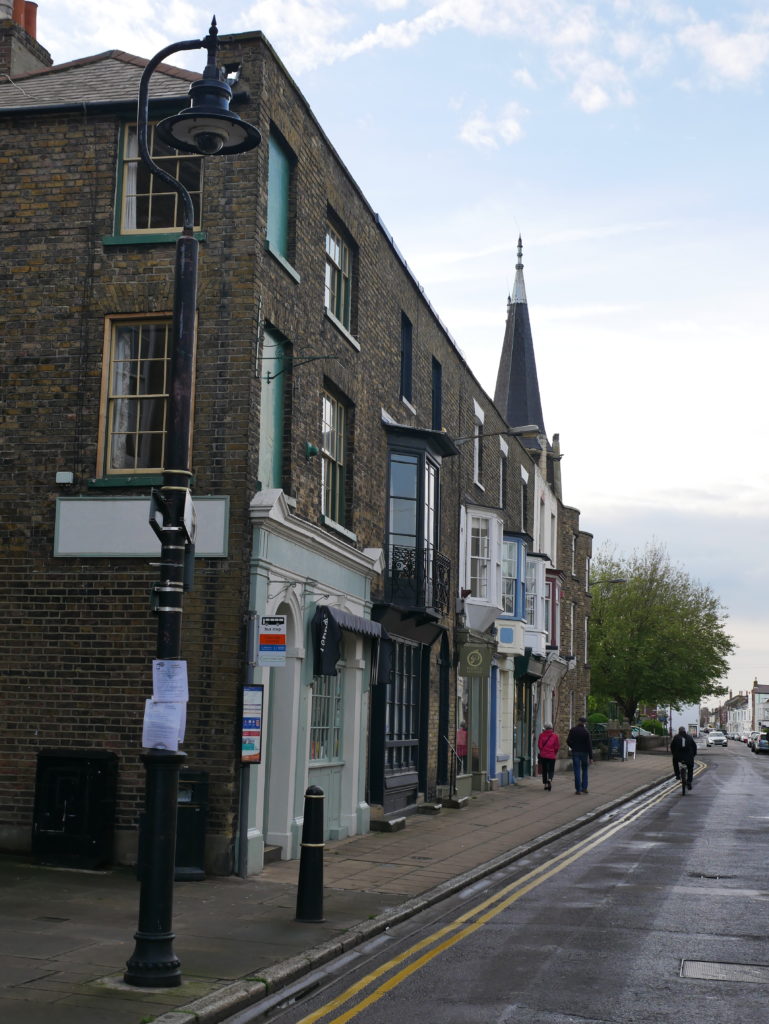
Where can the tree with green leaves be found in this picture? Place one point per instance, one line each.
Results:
(657, 636)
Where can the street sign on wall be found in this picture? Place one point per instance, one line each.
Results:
(251, 732)
(271, 647)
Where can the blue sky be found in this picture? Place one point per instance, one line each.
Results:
(626, 140)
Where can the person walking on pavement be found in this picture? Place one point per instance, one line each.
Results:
(548, 745)
(684, 750)
(579, 743)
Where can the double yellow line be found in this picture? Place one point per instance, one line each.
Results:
(427, 949)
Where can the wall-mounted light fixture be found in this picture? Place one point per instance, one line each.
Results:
(310, 450)
(529, 430)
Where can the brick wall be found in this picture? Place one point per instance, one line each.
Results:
(78, 639)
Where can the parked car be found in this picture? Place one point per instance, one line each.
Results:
(752, 737)
(761, 744)
(716, 738)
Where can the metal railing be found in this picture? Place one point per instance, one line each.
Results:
(418, 577)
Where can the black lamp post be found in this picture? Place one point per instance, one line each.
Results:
(207, 127)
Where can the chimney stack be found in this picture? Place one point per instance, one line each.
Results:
(20, 52)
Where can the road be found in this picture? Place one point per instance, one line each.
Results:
(591, 929)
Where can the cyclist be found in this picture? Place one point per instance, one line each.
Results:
(684, 750)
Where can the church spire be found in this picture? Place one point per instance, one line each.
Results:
(517, 391)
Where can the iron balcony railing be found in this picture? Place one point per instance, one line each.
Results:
(418, 578)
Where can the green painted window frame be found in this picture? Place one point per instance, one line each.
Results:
(281, 166)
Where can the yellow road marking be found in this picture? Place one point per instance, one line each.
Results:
(464, 925)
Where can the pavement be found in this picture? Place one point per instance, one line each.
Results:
(65, 935)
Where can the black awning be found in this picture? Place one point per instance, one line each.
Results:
(355, 623)
(326, 628)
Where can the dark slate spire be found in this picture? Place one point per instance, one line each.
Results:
(517, 391)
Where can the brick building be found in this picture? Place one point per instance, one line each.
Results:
(350, 474)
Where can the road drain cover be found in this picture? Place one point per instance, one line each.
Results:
(708, 971)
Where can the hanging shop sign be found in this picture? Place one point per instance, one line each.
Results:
(475, 659)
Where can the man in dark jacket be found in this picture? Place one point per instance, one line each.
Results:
(684, 749)
(578, 742)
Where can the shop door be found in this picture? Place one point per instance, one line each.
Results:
(523, 729)
(402, 725)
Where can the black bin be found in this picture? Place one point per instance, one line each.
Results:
(73, 823)
(191, 823)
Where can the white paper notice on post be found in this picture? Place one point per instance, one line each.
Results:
(162, 725)
(169, 681)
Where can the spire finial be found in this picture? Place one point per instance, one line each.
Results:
(519, 289)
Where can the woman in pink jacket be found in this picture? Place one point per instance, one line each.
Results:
(548, 745)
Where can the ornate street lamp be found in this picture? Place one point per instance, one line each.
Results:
(207, 127)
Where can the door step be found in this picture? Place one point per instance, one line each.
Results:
(272, 853)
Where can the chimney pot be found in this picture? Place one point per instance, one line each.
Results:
(18, 12)
(30, 18)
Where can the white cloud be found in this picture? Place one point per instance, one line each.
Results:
(478, 132)
(525, 78)
(650, 53)
(481, 132)
(597, 82)
(137, 28)
(304, 32)
(735, 58)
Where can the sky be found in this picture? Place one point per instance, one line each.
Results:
(626, 141)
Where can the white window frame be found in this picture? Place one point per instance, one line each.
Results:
(338, 277)
(535, 595)
(478, 421)
(326, 720)
(493, 559)
(587, 621)
(334, 426)
(503, 455)
(515, 577)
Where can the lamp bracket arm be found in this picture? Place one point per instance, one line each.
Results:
(142, 117)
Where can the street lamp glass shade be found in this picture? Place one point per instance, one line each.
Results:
(197, 130)
(208, 125)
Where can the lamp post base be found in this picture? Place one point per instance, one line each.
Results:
(154, 963)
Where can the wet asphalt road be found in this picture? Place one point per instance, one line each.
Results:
(591, 929)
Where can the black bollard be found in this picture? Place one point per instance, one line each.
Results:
(309, 896)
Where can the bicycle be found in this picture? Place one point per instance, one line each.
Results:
(683, 775)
